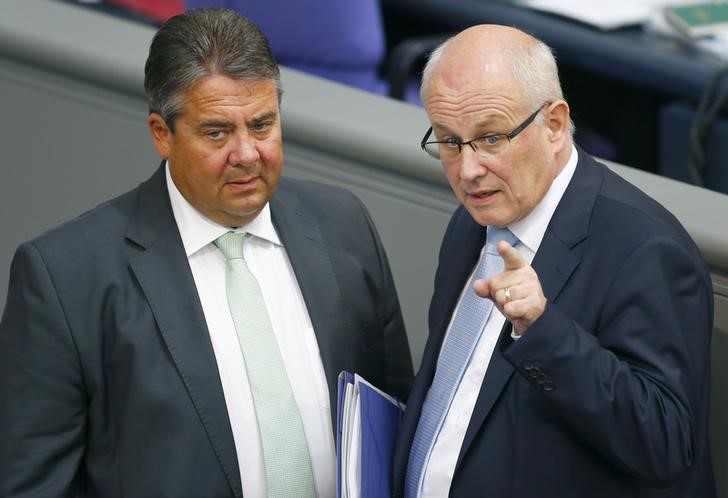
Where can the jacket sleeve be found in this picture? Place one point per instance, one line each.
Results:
(42, 398)
(633, 387)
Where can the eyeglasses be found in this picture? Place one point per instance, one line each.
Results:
(490, 144)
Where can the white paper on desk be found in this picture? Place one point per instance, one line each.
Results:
(604, 15)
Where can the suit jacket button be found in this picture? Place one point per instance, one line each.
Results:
(534, 373)
(541, 379)
(528, 364)
(548, 386)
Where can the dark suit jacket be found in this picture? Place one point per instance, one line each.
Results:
(606, 395)
(108, 380)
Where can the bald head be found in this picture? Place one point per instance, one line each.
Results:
(492, 55)
(480, 47)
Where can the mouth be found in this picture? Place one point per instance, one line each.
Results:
(243, 184)
(482, 195)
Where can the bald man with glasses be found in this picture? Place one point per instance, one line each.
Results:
(568, 350)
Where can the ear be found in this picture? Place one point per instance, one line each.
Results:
(161, 134)
(558, 121)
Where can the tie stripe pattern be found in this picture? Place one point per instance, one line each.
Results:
(285, 450)
(465, 331)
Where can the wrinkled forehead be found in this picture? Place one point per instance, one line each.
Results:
(455, 81)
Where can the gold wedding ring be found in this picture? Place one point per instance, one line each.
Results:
(507, 293)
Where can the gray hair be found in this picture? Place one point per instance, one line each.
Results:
(200, 43)
(533, 66)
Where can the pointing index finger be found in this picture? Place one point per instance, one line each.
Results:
(511, 257)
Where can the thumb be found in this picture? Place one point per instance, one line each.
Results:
(482, 288)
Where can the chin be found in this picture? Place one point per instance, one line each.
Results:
(482, 217)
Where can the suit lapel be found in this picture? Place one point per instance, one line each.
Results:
(557, 257)
(309, 256)
(163, 272)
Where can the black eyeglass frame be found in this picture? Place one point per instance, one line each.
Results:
(509, 136)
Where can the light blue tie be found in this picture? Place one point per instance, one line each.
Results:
(285, 451)
(467, 326)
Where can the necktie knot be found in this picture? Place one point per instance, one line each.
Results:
(231, 244)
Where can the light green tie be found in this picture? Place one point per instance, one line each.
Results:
(287, 462)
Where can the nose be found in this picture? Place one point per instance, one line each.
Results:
(471, 165)
(244, 151)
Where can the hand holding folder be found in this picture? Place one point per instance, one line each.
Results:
(367, 424)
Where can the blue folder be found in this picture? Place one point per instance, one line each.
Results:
(380, 416)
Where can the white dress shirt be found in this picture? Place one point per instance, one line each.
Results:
(268, 261)
(443, 457)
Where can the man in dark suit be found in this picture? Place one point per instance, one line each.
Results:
(121, 374)
(590, 375)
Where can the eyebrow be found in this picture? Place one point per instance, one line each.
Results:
(494, 121)
(215, 123)
(438, 129)
(225, 124)
(268, 116)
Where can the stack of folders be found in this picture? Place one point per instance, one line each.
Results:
(366, 429)
(701, 19)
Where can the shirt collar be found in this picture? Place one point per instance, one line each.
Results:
(197, 231)
(531, 229)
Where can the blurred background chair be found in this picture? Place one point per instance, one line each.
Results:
(335, 39)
